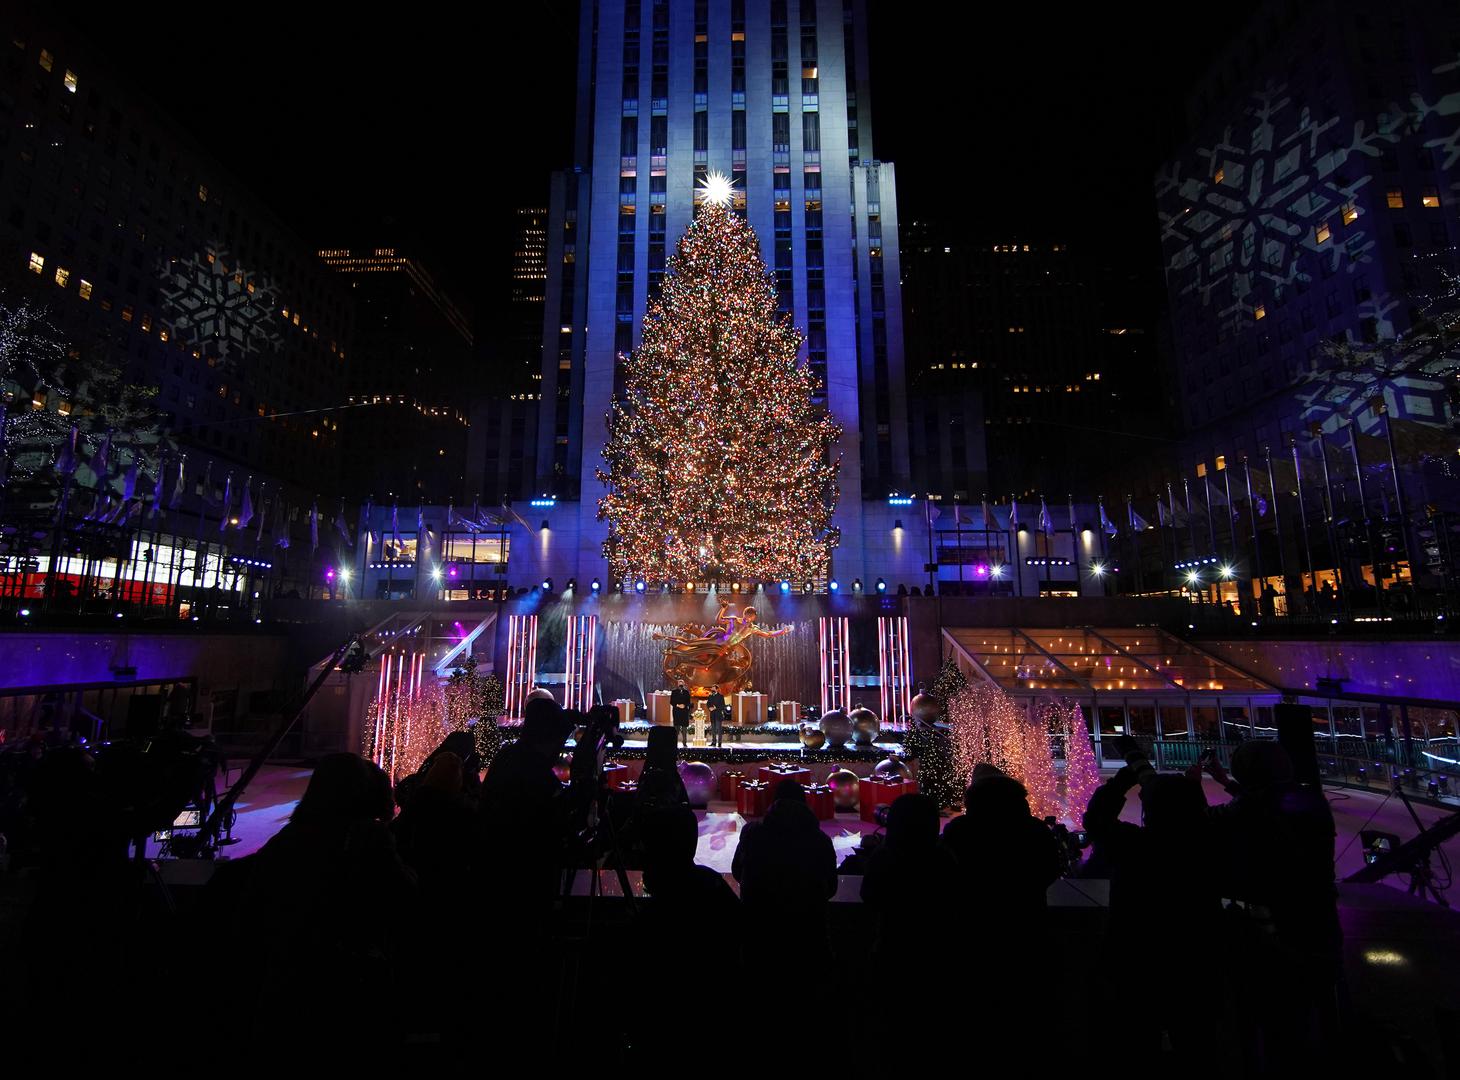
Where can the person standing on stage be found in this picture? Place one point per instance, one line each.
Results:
(719, 712)
(679, 702)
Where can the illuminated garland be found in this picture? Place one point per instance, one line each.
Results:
(719, 465)
(1082, 772)
(403, 727)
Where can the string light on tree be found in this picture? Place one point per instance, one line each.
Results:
(719, 463)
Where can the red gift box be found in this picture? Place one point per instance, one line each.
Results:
(875, 791)
(614, 774)
(823, 804)
(774, 774)
(752, 797)
(730, 783)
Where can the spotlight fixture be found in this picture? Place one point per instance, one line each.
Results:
(547, 584)
(436, 573)
(25, 613)
(735, 587)
(595, 586)
(856, 585)
(897, 525)
(785, 586)
(996, 571)
(1192, 577)
(881, 585)
(639, 585)
(345, 574)
(544, 526)
(572, 584)
(832, 585)
(1097, 569)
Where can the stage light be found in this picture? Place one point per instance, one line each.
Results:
(119, 615)
(1226, 572)
(897, 525)
(856, 585)
(436, 573)
(329, 573)
(25, 612)
(735, 588)
(881, 585)
(345, 575)
(547, 584)
(996, 571)
(981, 570)
(451, 571)
(785, 586)
(1097, 569)
(572, 584)
(544, 526)
(1192, 577)
(595, 586)
(639, 585)
(832, 585)
(806, 588)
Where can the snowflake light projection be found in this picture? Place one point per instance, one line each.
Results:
(216, 306)
(1237, 224)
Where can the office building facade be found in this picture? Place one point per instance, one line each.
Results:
(1314, 205)
(775, 95)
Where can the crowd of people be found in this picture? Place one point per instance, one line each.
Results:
(432, 911)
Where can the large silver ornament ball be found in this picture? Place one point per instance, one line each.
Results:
(813, 738)
(538, 693)
(837, 727)
(844, 784)
(893, 766)
(699, 782)
(926, 708)
(865, 726)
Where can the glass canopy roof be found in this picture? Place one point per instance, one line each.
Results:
(1134, 660)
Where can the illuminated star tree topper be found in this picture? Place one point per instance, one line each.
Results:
(719, 460)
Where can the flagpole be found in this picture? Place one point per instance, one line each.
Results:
(928, 516)
(1075, 545)
(1328, 522)
(1256, 545)
(1277, 522)
(1303, 524)
(958, 540)
(1353, 436)
(1382, 407)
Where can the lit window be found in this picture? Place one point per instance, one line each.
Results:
(203, 194)
(63, 276)
(296, 318)
(212, 258)
(1221, 462)
(127, 313)
(1396, 199)
(737, 35)
(808, 71)
(71, 81)
(146, 322)
(1219, 176)
(285, 312)
(64, 408)
(1430, 198)
(37, 262)
(1259, 312)
(38, 400)
(249, 288)
(162, 335)
(83, 289)
(1321, 233)
(1350, 214)
(47, 60)
(1201, 469)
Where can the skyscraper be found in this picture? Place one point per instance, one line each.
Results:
(775, 95)
(405, 435)
(1313, 205)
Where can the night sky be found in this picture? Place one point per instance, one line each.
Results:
(429, 131)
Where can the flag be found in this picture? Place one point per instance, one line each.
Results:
(66, 459)
(99, 459)
(423, 534)
(281, 524)
(342, 528)
(990, 523)
(313, 527)
(1013, 514)
(1046, 523)
(395, 526)
(208, 498)
(1106, 525)
(513, 515)
(227, 502)
(245, 512)
(1161, 518)
(933, 512)
(1070, 502)
(177, 487)
(1137, 523)
(363, 527)
(157, 487)
(263, 516)
(129, 481)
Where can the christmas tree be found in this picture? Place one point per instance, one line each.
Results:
(719, 462)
